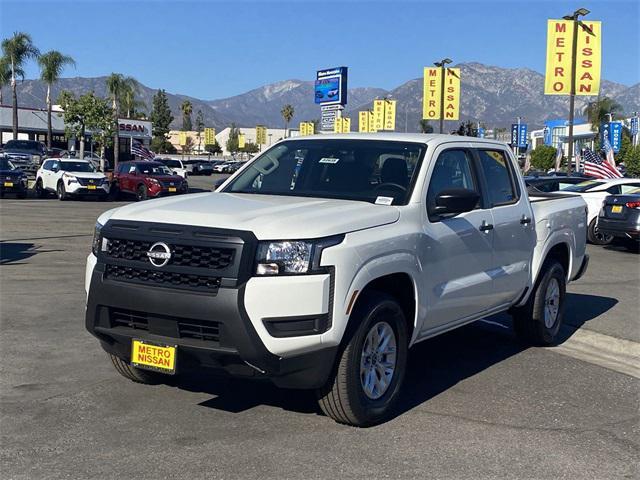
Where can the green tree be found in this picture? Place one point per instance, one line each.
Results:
(51, 65)
(543, 157)
(17, 50)
(597, 111)
(161, 119)
(5, 74)
(131, 106)
(187, 110)
(250, 148)
(425, 127)
(199, 127)
(232, 141)
(632, 161)
(287, 113)
(188, 145)
(213, 149)
(118, 87)
(87, 113)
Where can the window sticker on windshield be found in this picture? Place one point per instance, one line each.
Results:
(384, 200)
(332, 161)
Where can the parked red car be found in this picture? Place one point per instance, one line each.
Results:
(147, 179)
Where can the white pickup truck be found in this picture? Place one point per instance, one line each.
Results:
(324, 259)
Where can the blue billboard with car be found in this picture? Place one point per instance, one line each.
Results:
(331, 86)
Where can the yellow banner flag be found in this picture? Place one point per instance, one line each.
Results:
(363, 121)
(209, 136)
(302, 128)
(557, 79)
(588, 60)
(261, 135)
(337, 125)
(371, 123)
(182, 138)
(346, 124)
(452, 94)
(431, 93)
(241, 140)
(378, 114)
(390, 115)
(307, 128)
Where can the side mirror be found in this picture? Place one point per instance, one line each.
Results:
(455, 201)
(55, 169)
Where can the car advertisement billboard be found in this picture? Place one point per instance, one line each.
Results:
(331, 86)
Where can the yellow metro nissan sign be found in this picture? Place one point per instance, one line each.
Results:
(557, 80)
(431, 98)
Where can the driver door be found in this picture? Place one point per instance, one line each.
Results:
(455, 250)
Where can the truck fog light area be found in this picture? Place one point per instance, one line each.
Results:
(267, 269)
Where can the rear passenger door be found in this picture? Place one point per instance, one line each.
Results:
(514, 235)
(455, 251)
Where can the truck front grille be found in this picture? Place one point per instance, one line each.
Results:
(162, 278)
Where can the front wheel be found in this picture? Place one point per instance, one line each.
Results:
(595, 236)
(539, 320)
(142, 193)
(365, 384)
(61, 192)
(40, 191)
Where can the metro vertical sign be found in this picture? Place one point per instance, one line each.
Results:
(431, 94)
(588, 57)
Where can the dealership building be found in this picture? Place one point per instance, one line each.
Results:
(32, 125)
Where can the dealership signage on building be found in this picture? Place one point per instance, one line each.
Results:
(134, 128)
(331, 93)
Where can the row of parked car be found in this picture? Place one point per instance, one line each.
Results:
(613, 205)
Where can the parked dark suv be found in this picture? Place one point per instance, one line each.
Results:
(12, 179)
(25, 154)
(147, 179)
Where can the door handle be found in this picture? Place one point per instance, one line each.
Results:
(525, 220)
(485, 227)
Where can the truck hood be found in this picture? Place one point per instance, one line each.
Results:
(269, 217)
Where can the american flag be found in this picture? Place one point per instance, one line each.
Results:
(141, 151)
(595, 166)
(608, 150)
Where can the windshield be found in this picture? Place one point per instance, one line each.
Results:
(582, 186)
(77, 167)
(6, 164)
(23, 145)
(154, 169)
(373, 171)
(172, 163)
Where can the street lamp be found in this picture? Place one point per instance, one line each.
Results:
(443, 65)
(581, 12)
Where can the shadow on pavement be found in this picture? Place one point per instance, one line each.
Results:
(11, 252)
(435, 365)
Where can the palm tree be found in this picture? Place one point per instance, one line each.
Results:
(51, 65)
(187, 109)
(5, 74)
(425, 127)
(287, 113)
(17, 50)
(129, 102)
(597, 111)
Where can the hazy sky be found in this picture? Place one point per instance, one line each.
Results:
(214, 49)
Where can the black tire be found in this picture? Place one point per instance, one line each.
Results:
(40, 191)
(343, 397)
(597, 237)
(142, 193)
(114, 191)
(529, 320)
(135, 374)
(61, 192)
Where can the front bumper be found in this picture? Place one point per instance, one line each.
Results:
(211, 331)
(75, 188)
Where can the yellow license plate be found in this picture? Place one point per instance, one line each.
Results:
(616, 209)
(91, 187)
(172, 189)
(159, 358)
(8, 184)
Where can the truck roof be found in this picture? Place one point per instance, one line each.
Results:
(428, 138)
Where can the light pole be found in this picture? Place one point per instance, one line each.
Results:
(443, 67)
(572, 94)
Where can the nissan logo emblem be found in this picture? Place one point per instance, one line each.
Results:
(159, 254)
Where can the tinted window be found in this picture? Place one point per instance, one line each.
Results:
(453, 169)
(629, 188)
(123, 168)
(366, 170)
(172, 163)
(497, 172)
(77, 167)
(47, 165)
(152, 168)
(583, 186)
(613, 190)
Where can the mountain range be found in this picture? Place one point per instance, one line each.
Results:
(490, 94)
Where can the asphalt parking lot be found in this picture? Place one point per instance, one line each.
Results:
(476, 403)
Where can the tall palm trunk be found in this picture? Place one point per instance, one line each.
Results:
(49, 128)
(116, 138)
(15, 101)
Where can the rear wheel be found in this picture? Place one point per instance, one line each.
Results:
(365, 384)
(539, 320)
(142, 193)
(595, 236)
(135, 374)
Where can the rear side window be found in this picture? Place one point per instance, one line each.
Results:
(614, 190)
(629, 188)
(453, 169)
(501, 187)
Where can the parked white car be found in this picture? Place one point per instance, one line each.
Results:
(70, 177)
(177, 167)
(593, 193)
(323, 260)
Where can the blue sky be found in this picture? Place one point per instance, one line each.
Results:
(214, 49)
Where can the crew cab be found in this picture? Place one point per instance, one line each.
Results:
(146, 179)
(12, 179)
(70, 178)
(324, 259)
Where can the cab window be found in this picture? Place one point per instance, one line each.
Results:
(501, 186)
(453, 169)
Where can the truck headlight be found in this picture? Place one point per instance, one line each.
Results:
(292, 257)
(96, 245)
